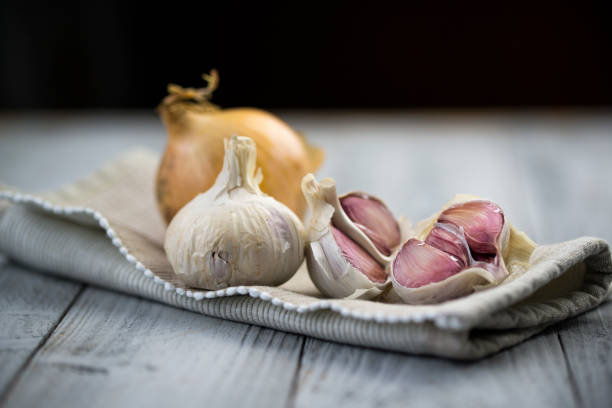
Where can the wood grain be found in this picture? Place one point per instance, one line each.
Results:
(31, 306)
(529, 375)
(549, 172)
(564, 183)
(115, 350)
(564, 179)
(587, 345)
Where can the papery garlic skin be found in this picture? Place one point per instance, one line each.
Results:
(462, 249)
(342, 261)
(233, 234)
(333, 275)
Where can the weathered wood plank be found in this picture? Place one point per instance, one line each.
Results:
(500, 167)
(115, 350)
(587, 345)
(549, 173)
(532, 374)
(564, 180)
(44, 151)
(31, 305)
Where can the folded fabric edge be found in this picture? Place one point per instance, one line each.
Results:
(49, 243)
(64, 249)
(595, 289)
(510, 307)
(447, 322)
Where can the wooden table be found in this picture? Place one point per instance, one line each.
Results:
(65, 344)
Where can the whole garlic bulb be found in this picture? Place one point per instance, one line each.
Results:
(233, 234)
(350, 240)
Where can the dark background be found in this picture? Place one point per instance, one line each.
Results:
(115, 54)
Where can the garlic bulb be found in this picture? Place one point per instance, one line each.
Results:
(350, 240)
(233, 234)
(458, 250)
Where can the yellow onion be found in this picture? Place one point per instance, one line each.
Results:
(195, 150)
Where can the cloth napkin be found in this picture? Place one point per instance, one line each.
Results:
(105, 230)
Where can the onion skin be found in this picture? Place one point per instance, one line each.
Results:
(195, 150)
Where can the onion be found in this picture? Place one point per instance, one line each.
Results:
(195, 150)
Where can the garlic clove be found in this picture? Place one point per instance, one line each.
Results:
(374, 219)
(339, 264)
(342, 221)
(451, 240)
(457, 285)
(359, 258)
(482, 222)
(418, 264)
(335, 276)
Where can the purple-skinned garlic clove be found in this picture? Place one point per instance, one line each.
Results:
(482, 223)
(450, 239)
(342, 260)
(339, 267)
(418, 264)
(359, 258)
(374, 219)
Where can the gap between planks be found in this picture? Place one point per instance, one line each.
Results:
(11, 385)
(295, 381)
(570, 374)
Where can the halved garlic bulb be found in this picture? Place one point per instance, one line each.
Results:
(464, 248)
(350, 239)
(233, 234)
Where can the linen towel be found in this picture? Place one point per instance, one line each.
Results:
(105, 230)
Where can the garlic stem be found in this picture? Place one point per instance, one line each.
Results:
(320, 211)
(239, 167)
